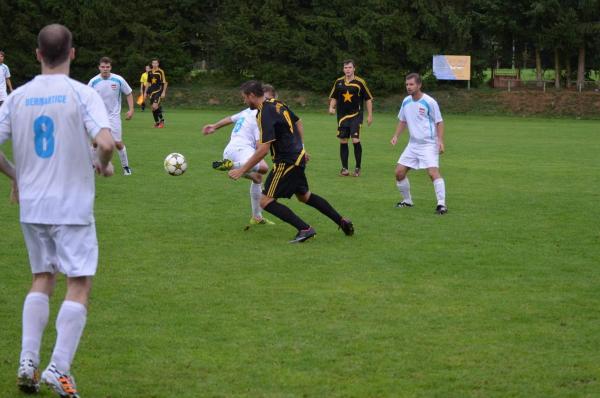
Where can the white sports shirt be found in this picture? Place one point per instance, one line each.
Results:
(50, 121)
(245, 132)
(4, 74)
(110, 90)
(421, 117)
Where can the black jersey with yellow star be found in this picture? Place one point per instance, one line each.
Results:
(350, 97)
(156, 80)
(277, 125)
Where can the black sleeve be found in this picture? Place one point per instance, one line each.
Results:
(266, 123)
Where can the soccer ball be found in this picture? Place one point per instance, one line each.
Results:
(175, 164)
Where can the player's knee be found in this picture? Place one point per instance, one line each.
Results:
(303, 197)
(119, 145)
(265, 200)
(400, 174)
(44, 283)
(79, 288)
(434, 174)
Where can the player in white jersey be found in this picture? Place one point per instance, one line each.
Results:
(110, 86)
(422, 115)
(4, 79)
(241, 147)
(51, 121)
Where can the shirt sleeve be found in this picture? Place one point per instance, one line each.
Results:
(95, 117)
(7, 71)
(367, 96)
(293, 116)
(125, 87)
(436, 113)
(5, 125)
(237, 116)
(401, 114)
(266, 124)
(333, 93)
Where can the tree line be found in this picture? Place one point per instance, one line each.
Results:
(301, 43)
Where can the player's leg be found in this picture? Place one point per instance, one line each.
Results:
(279, 185)
(77, 251)
(344, 154)
(121, 150)
(36, 307)
(154, 103)
(357, 147)
(159, 111)
(440, 189)
(403, 185)
(322, 205)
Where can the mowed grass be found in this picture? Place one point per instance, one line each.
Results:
(498, 298)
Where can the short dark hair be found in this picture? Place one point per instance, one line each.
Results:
(267, 88)
(253, 87)
(349, 61)
(105, 60)
(1, 52)
(415, 76)
(155, 59)
(54, 43)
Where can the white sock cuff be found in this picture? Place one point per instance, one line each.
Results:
(438, 181)
(402, 182)
(74, 306)
(38, 296)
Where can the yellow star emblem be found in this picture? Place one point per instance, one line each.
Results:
(347, 96)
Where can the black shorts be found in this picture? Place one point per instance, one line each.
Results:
(349, 128)
(285, 180)
(155, 96)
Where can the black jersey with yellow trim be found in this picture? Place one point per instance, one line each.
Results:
(156, 80)
(350, 97)
(277, 125)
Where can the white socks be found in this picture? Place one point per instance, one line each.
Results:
(36, 310)
(404, 188)
(69, 327)
(255, 194)
(440, 191)
(123, 157)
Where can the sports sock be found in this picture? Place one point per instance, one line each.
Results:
(159, 113)
(155, 115)
(36, 310)
(255, 194)
(324, 207)
(358, 154)
(285, 214)
(123, 157)
(440, 191)
(344, 151)
(69, 327)
(404, 188)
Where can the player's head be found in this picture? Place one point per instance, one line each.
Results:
(253, 93)
(155, 63)
(269, 91)
(349, 67)
(413, 83)
(55, 45)
(105, 66)
(1, 56)
(148, 68)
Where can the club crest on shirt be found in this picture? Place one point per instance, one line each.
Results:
(113, 86)
(422, 111)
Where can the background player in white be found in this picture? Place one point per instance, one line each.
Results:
(4, 79)
(51, 121)
(426, 128)
(110, 86)
(241, 147)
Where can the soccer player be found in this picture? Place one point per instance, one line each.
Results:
(240, 148)
(50, 121)
(143, 87)
(281, 132)
(4, 79)
(156, 91)
(110, 86)
(422, 115)
(348, 95)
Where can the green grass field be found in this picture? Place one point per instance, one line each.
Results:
(499, 298)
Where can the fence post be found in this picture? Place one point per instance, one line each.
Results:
(544, 86)
(508, 85)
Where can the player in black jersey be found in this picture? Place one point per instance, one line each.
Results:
(156, 91)
(281, 133)
(349, 95)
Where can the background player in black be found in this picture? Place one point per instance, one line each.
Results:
(157, 89)
(281, 134)
(348, 94)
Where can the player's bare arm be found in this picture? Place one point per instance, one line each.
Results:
(332, 105)
(261, 151)
(211, 128)
(9, 85)
(130, 105)
(369, 104)
(106, 146)
(440, 135)
(399, 129)
(7, 168)
(164, 91)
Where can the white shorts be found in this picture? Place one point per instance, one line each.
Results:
(420, 156)
(238, 154)
(115, 128)
(69, 249)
